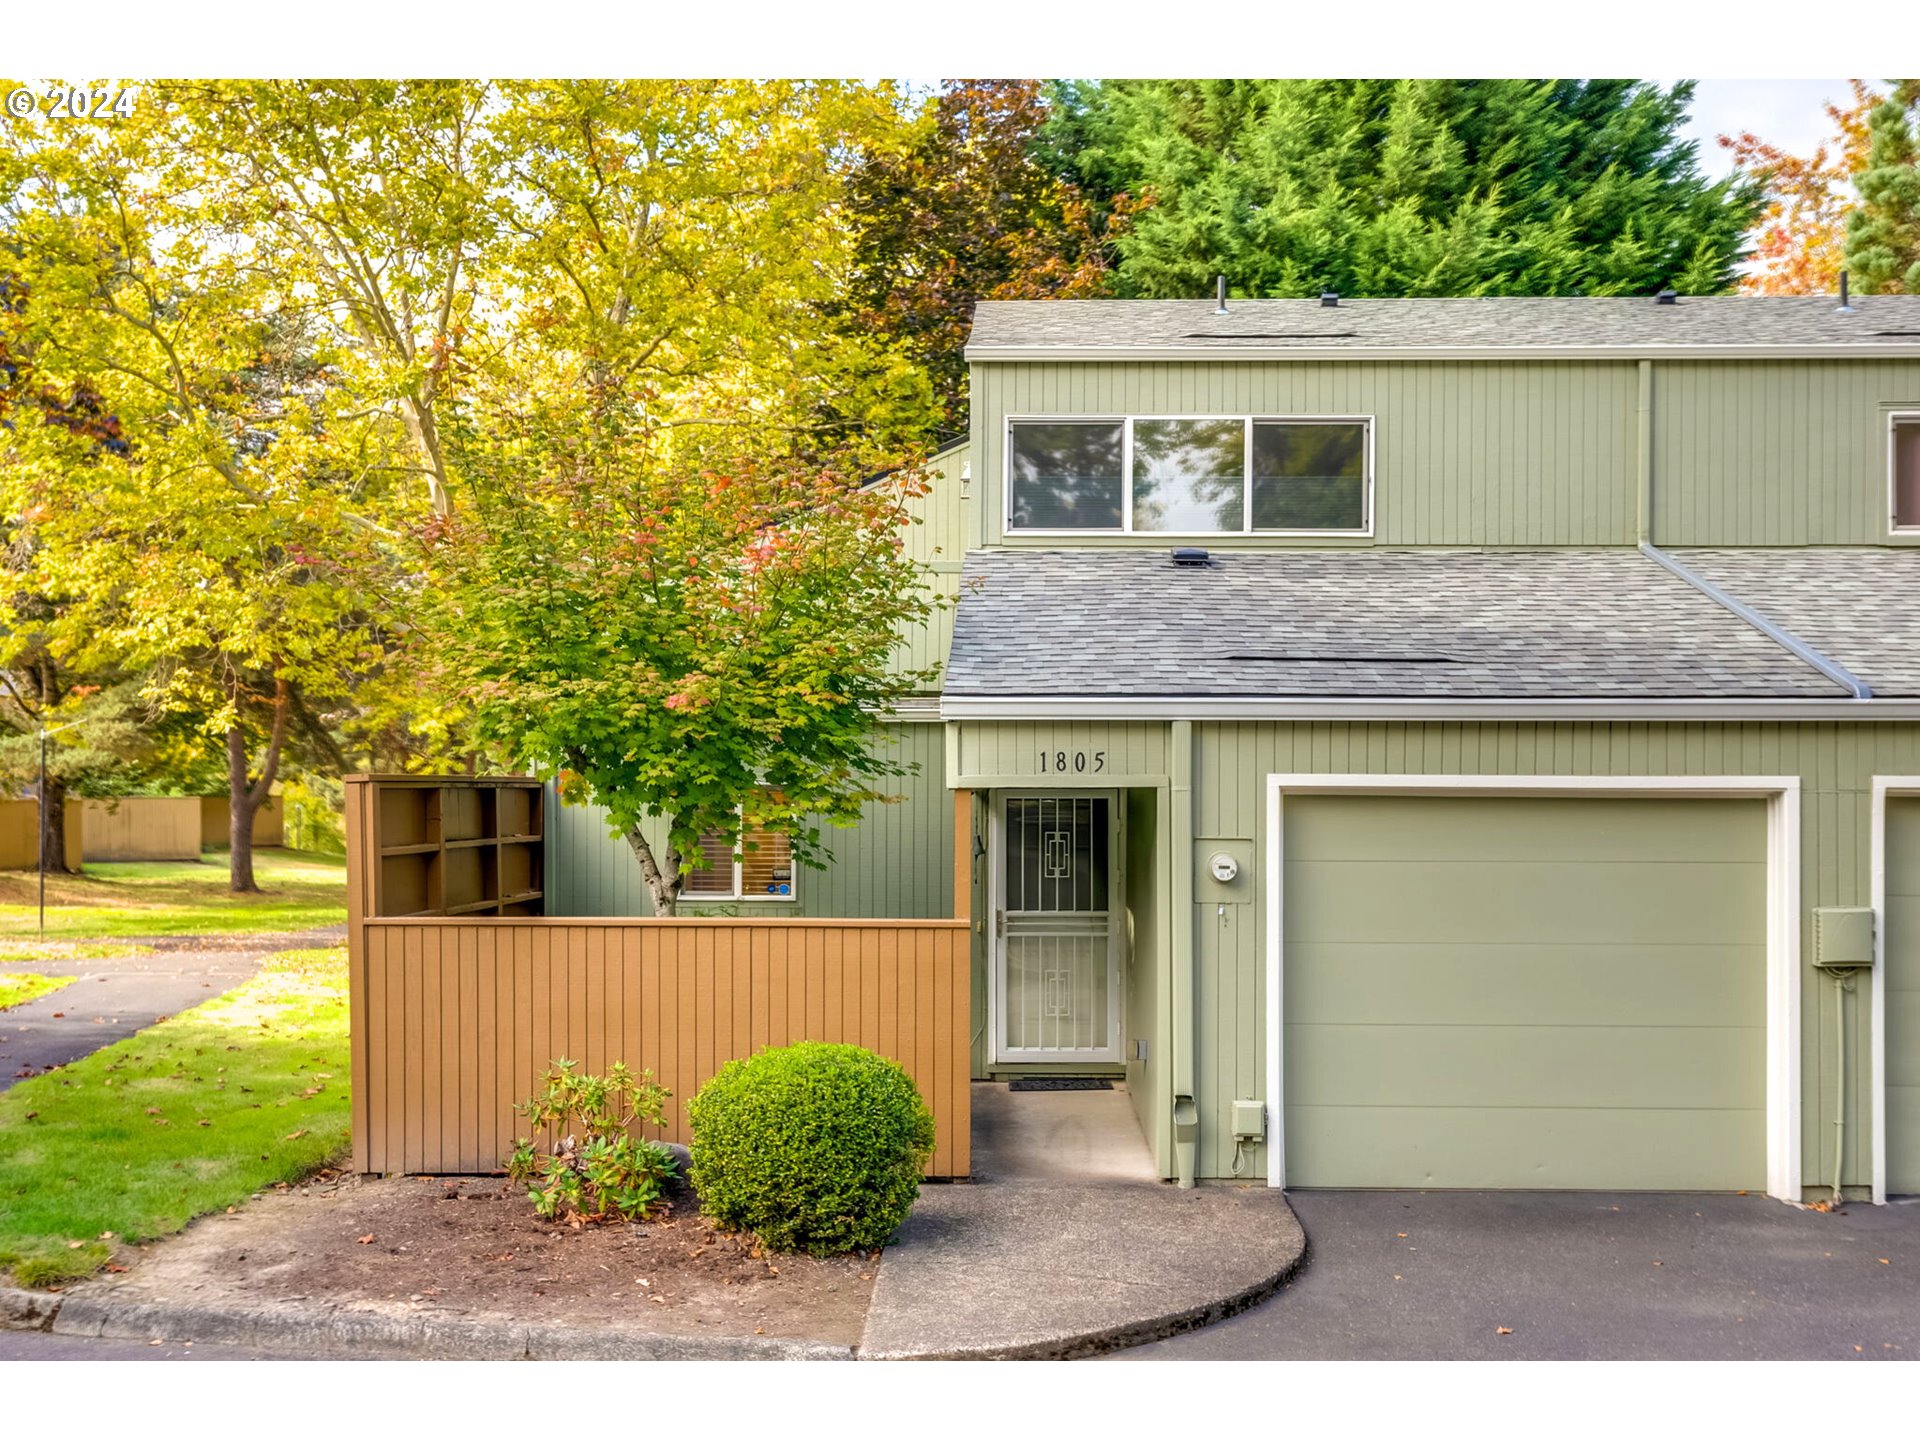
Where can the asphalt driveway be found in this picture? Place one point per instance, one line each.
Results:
(1581, 1276)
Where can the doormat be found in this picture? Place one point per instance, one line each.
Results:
(1054, 1082)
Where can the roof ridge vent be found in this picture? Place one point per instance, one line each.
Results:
(1329, 299)
(1192, 557)
(1668, 296)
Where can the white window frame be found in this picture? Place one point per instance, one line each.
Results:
(1895, 419)
(734, 896)
(1247, 419)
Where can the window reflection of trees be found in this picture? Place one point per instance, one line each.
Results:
(1066, 476)
(1187, 475)
(1309, 477)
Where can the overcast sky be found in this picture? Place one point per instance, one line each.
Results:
(1787, 112)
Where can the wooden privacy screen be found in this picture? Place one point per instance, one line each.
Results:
(454, 1018)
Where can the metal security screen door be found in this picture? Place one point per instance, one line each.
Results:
(1057, 981)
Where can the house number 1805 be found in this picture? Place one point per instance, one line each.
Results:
(1079, 762)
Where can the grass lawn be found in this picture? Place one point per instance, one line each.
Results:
(17, 989)
(175, 897)
(191, 1115)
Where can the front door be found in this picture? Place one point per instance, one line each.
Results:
(1056, 970)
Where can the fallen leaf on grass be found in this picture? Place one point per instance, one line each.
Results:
(116, 1269)
(294, 1136)
(153, 1109)
(75, 1244)
(33, 1114)
(203, 1124)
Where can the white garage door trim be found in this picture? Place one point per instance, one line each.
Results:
(1885, 787)
(1782, 794)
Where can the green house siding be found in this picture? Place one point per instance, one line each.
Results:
(1742, 452)
(1487, 453)
(1775, 452)
(936, 538)
(1836, 764)
(1146, 975)
(1494, 992)
(1902, 982)
(896, 863)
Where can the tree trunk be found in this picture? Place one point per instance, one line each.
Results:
(240, 808)
(664, 887)
(55, 801)
(244, 799)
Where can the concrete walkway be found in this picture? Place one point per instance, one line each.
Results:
(1067, 1244)
(1583, 1276)
(119, 995)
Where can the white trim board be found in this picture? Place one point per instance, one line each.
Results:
(1782, 794)
(1255, 707)
(1885, 787)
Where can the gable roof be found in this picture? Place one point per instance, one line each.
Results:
(1484, 327)
(1453, 625)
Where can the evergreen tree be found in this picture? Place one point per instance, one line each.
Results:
(1883, 233)
(1402, 187)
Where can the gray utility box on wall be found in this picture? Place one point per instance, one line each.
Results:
(1843, 937)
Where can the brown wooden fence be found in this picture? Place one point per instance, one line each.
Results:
(455, 1019)
(455, 1016)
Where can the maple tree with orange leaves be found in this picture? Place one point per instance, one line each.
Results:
(1801, 239)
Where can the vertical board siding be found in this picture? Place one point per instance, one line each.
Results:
(896, 863)
(1775, 452)
(465, 1014)
(1466, 453)
(994, 752)
(1836, 763)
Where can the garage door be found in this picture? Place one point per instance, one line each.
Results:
(1525, 993)
(1903, 997)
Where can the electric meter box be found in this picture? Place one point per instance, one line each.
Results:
(1843, 937)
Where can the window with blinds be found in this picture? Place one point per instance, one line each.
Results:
(762, 870)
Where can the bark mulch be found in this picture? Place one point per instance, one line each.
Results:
(473, 1248)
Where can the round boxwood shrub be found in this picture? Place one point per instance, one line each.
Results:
(812, 1147)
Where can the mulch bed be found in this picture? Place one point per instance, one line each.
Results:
(474, 1248)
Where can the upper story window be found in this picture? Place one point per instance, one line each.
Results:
(1904, 465)
(1191, 475)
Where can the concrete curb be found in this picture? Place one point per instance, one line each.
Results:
(359, 1332)
(424, 1337)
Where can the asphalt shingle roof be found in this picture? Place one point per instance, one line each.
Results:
(1422, 624)
(1857, 604)
(1886, 322)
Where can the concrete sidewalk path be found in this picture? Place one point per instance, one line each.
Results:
(1066, 1243)
(1041, 1270)
(115, 996)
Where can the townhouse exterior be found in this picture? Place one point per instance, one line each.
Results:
(1464, 743)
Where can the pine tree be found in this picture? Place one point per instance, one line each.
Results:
(1883, 233)
(1402, 187)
